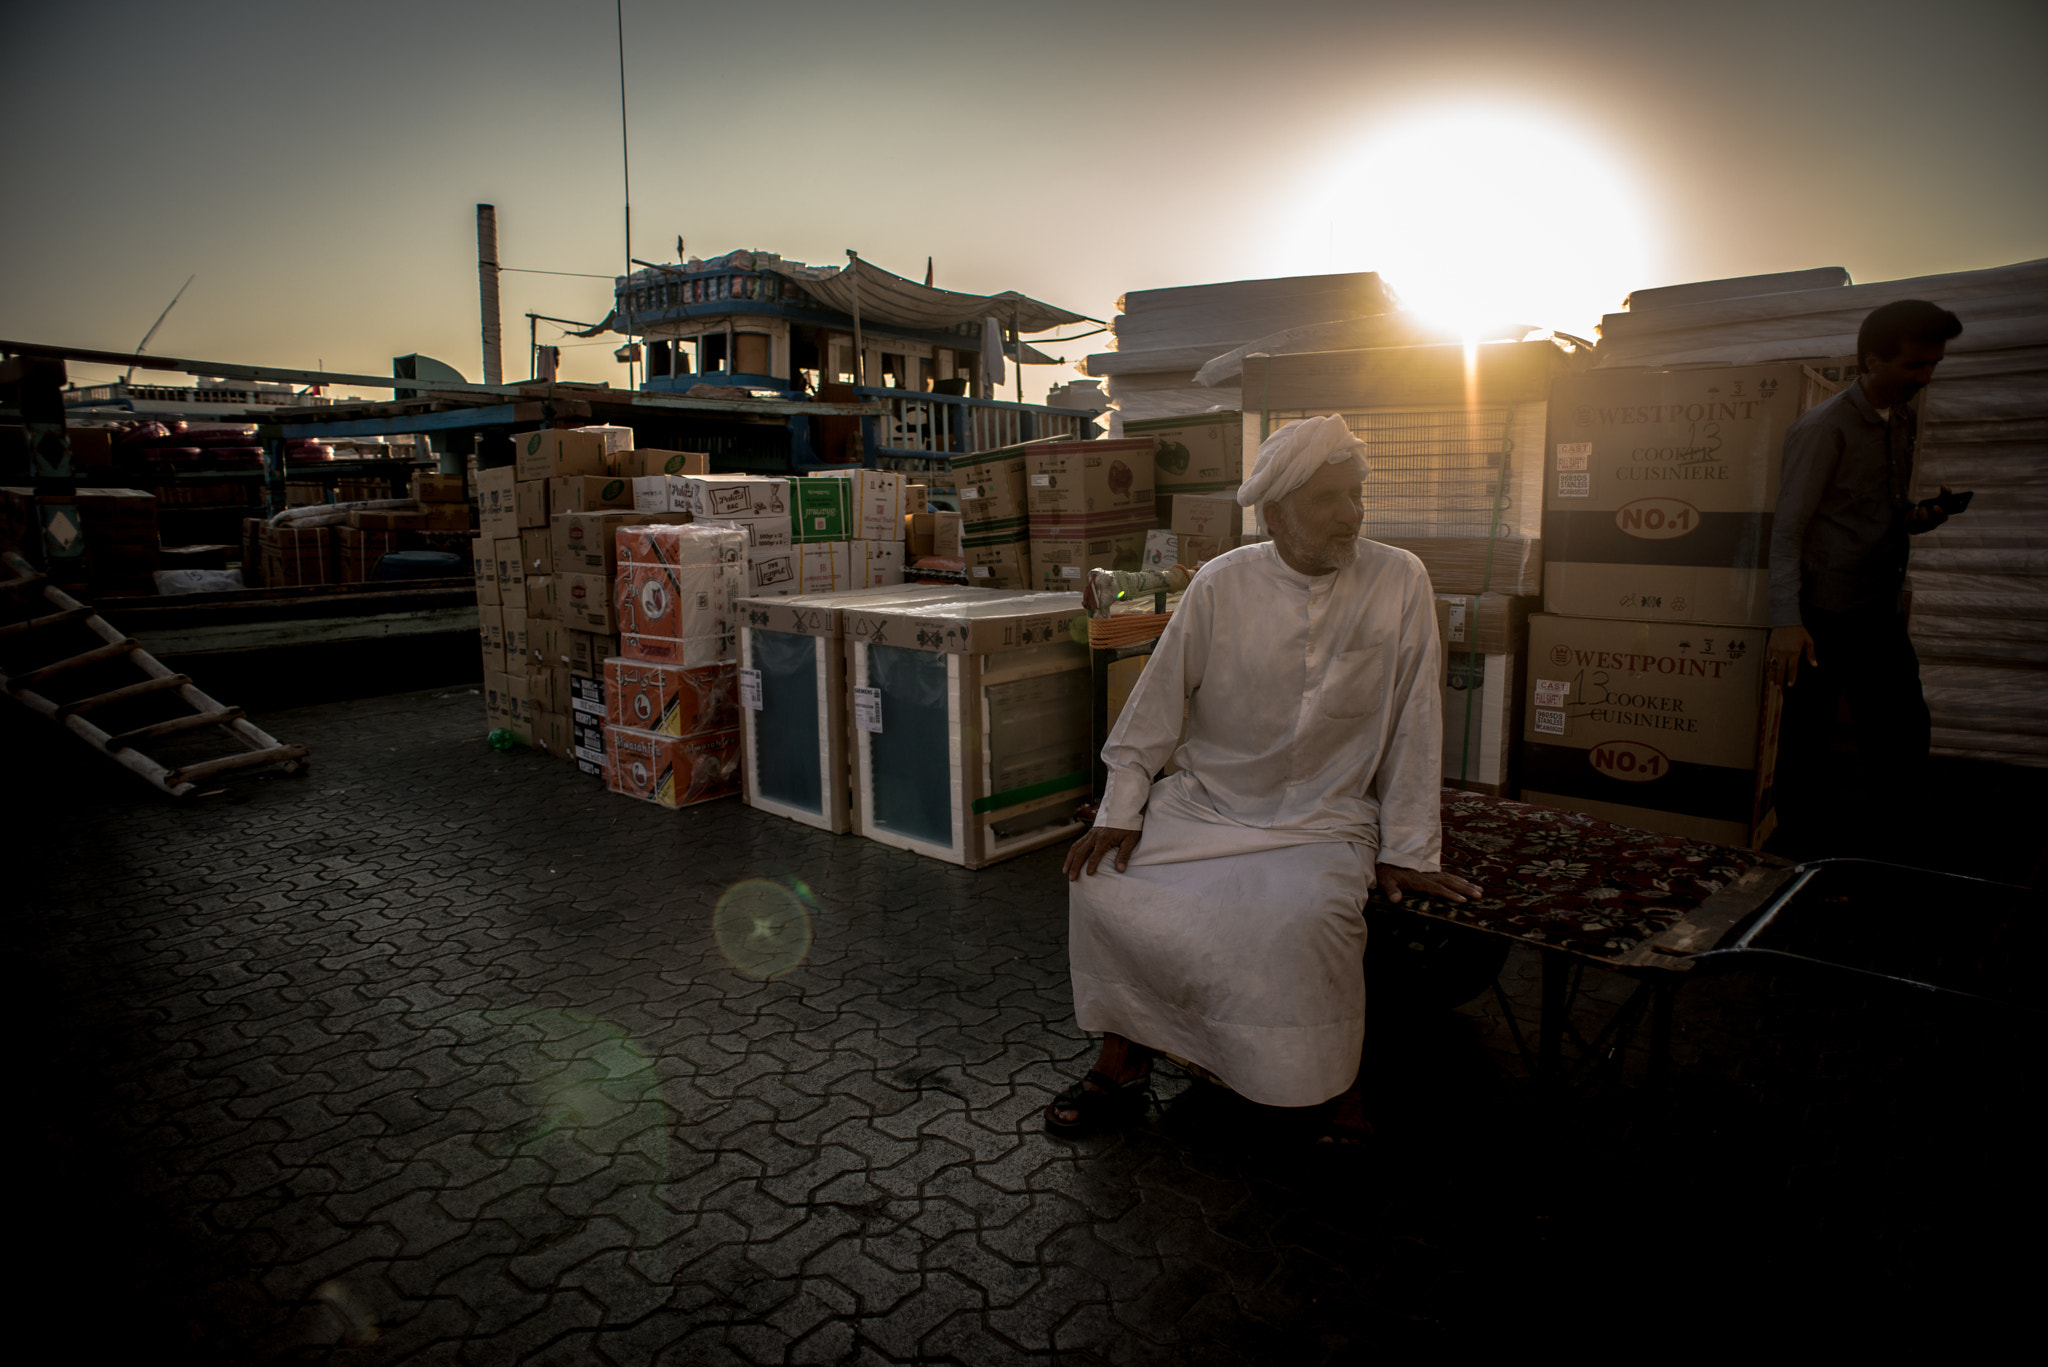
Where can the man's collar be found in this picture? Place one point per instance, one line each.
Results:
(1860, 401)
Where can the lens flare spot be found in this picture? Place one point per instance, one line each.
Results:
(355, 1321)
(764, 927)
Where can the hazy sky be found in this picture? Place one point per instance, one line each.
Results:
(317, 165)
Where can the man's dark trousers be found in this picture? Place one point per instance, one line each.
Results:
(1865, 656)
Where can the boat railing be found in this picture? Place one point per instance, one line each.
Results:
(917, 430)
(120, 391)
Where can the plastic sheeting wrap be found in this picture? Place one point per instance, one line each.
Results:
(911, 761)
(1988, 712)
(788, 736)
(1168, 394)
(799, 730)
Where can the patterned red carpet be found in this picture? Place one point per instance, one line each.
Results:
(1571, 880)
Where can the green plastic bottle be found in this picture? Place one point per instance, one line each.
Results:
(501, 739)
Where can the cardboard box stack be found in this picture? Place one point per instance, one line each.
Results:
(444, 503)
(1204, 526)
(546, 658)
(1090, 505)
(297, 557)
(358, 551)
(1202, 454)
(867, 508)
(995, 521)
(122, 551)
(583, 548)
(642, 462)
(554, 471)
(674, 595)
(1646, 694)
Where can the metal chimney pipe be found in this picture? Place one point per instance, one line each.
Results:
(487, 291)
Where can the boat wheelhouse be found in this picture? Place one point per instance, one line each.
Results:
(929, 358)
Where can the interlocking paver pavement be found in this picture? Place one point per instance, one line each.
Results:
(433, 1056)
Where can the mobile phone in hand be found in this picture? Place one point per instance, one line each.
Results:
(1950, 504)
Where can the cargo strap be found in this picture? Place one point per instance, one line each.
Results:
(1477, 668)
(995, 802)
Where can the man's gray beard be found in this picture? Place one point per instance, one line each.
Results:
(1323, 556)
(1334, 555)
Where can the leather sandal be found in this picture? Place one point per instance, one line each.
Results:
(1344, 1123)
(1098, 1102)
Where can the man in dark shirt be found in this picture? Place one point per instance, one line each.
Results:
(1838, 568)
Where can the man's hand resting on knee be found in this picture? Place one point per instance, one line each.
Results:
(1096, 842)
(1449, 886)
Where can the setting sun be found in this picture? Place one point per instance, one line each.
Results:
(1482, 217)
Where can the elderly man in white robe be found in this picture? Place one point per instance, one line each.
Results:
(1228, 930)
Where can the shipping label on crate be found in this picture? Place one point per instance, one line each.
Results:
(586, 695)
(1574, 479)
(867, 710)
(750, 689)
(586, 730)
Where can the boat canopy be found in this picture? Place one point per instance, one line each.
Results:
(885, 298)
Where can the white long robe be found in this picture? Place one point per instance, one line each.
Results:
(1313, 750)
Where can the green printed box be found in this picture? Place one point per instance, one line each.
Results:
(821, 509)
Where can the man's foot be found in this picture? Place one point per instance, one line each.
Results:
(1344, 1122)
(1115, 1088)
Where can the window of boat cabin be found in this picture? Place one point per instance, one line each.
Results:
(895, 371)
(842, 360)
(711, 352)
(752, 353)
(804, 360)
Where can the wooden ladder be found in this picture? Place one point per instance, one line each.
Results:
(259, 748)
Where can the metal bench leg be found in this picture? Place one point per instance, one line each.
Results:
(1661, 1010)
(1557, 999)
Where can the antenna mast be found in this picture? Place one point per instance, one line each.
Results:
(143, 345)
(626, 167)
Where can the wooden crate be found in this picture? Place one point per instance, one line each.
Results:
(977, 748)
(798, 718)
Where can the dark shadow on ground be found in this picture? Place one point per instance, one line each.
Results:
(281, 1052)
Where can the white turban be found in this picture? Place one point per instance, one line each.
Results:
(1290, 458)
